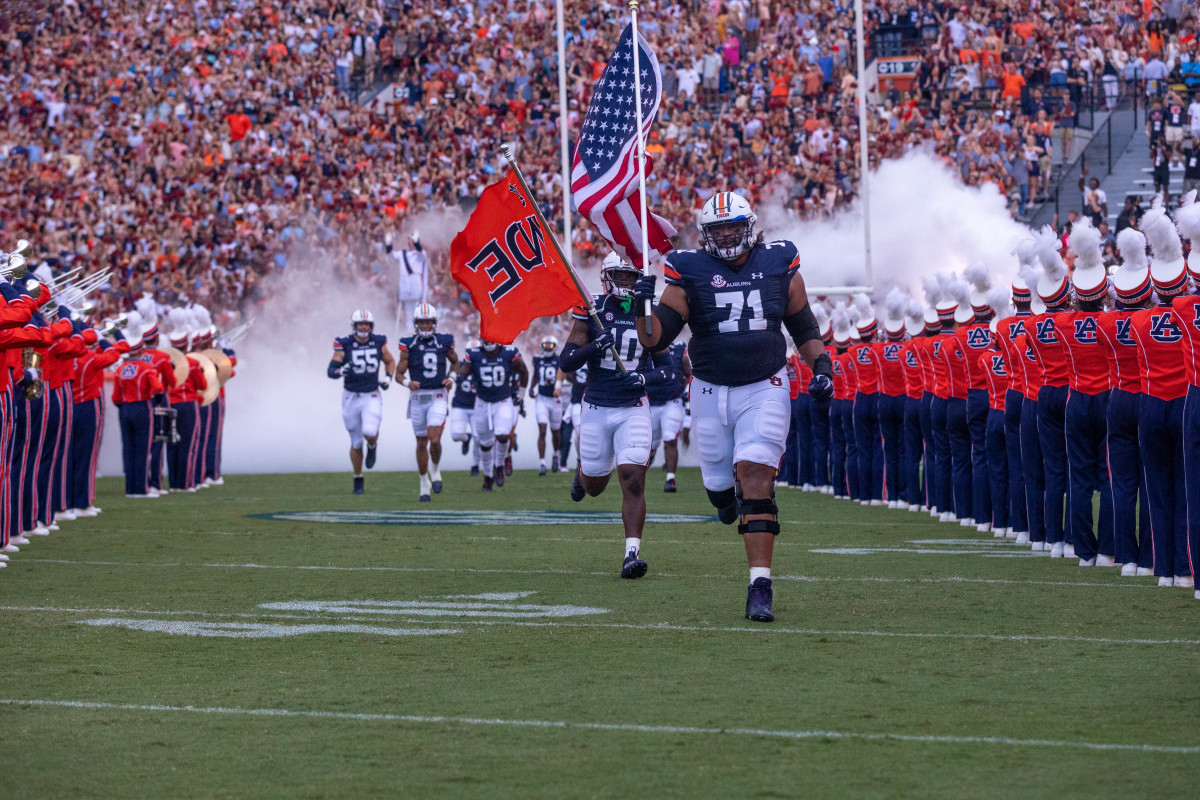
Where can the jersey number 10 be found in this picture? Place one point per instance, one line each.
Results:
(629, 348)
(738, 303)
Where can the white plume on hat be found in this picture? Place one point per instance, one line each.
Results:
(821, 312)
(201, 319)
(133, 328)
(998, 298)
(1029, 268)
(894, 305)
(1187, 222)
(1054, 269)
(980, 280)
(914, 317)
(1084, 242)
(864, 311)
(960, 293)
(181, 323)
(842, 323)
(1132, 246)
(933, 290)
(1161, 235)
(148, 308)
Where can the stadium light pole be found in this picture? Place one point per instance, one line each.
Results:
(563, 121)
(863, 140)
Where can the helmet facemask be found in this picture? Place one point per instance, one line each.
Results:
(618, 280)
(728, 241)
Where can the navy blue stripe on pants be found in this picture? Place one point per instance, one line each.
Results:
(978, 407)
(931, 464)
(870, 448)
(1087, 431)
(85, 441)
(1160, 435)
(1191, 469)
(212, 461)
(181, 454)
(1131, 520)
(891, 426)
(1052, 415)
(136, 429)
(943, 496)
(819, 474)
(997, 457)
(854, 478)
(914, 451)
(1033, 469)
(960, 455)
(1018, 516)
(16, 477)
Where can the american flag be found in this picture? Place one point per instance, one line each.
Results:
(604, 174)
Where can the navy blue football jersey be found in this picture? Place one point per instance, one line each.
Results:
(545, 373)
(464, 391)
(663, 393)
(578, 384)
(427, 358)
(360, 369)
(736, 315)
(605, 386)
(492, 372)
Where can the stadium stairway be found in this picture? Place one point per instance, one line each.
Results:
(1132, 175)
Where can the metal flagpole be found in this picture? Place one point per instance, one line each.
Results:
(587, 298)
(863, 143)
(641, 144)
(563, 121)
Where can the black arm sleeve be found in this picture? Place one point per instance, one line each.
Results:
(802, 325)
(574, 356)
(670, 323)
(661, 372)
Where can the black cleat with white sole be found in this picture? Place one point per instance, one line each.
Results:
(669, 486)
(358, 485)
(498, 476)
(370, 462)
(487, 484)
(577, 491)
(634, 567)
(758, 601)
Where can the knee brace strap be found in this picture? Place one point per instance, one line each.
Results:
(760, 526)
(758, 506)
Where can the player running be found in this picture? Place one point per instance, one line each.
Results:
(356, 359)
(737, 296)
(462, 416)
(666, 412)
(616, 412)
(546, 387)
(491, 367)
(425, 356)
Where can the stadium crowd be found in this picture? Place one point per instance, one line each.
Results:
(198, 149)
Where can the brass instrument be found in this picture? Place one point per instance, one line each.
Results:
(32, 359)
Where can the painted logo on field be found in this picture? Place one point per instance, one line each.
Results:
(350, 616)
(458, 517)
(988, 548)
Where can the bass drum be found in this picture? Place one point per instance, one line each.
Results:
(213, 390)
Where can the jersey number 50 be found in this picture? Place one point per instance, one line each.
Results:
(492, 375)
(738, 303)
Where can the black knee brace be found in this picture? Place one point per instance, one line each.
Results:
(725, 501)
(758, 506)
(760, 526)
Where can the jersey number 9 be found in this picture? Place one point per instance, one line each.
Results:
(430, 363)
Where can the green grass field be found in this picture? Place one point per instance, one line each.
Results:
(186, 647)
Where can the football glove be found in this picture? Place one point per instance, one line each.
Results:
(643, 289)
(635, 381)
(604, 341)
(820, 388)
(385, 382)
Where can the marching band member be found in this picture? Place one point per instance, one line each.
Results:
(893, 398)
(914, 389)
(135, 389)
(87, 421)
(1187, 221)
(975, 339)
(184, 397)
(1008, 329)
(866, 403)
(996, 373)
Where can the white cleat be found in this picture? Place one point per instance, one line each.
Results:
(1057, 550)
(206, 483)
(1021, 537)
(1145, 572)
(21, 540)
(1068, 550)
(947, 516)
(217, 482)
(1087, 562)
(1166, 581)
(40, 530)
(65, 516)
(986, 527)
(1038, 547)
(1185, 581)
(1129, 570)
(10, 548)
(426, 487)
(864, 502)
(967, 522)
(1105, 561)
(1197, 595)
(893, 505)
(87, 512)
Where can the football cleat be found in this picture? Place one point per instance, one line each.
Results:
(541, 469)
(475, 471)
(669, 486)
(577, 491)
(487, 484)
(758, 601)
(370, 462)
(554, 463)
(507, 466)
(466, 448)
(499, 476)
(435, 475)
(425, 484)
(358, 485)
(634, 567)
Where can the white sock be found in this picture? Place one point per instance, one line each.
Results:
(485, 460)
(435, 473)
(501, 452)
(474, 451)
(760, 572)
(670, 476)
(633, 544)
(542, 462)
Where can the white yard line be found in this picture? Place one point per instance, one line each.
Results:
(673, 730)
(400, 616)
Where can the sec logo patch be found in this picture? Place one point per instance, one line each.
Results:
(608, 316)
(717, 282)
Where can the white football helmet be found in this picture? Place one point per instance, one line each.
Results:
(617, 276)
(362, 315)
(726, 225)
(425, 313)
(549, 345)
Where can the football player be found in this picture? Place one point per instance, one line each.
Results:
(666, 412)
(356, 359)
(462, 415)
(615, 423)
(491, 366)
(424, 356)
(737, 295)
(546, 386)
(573, 416)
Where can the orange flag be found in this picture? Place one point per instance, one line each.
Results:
(506, 260)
